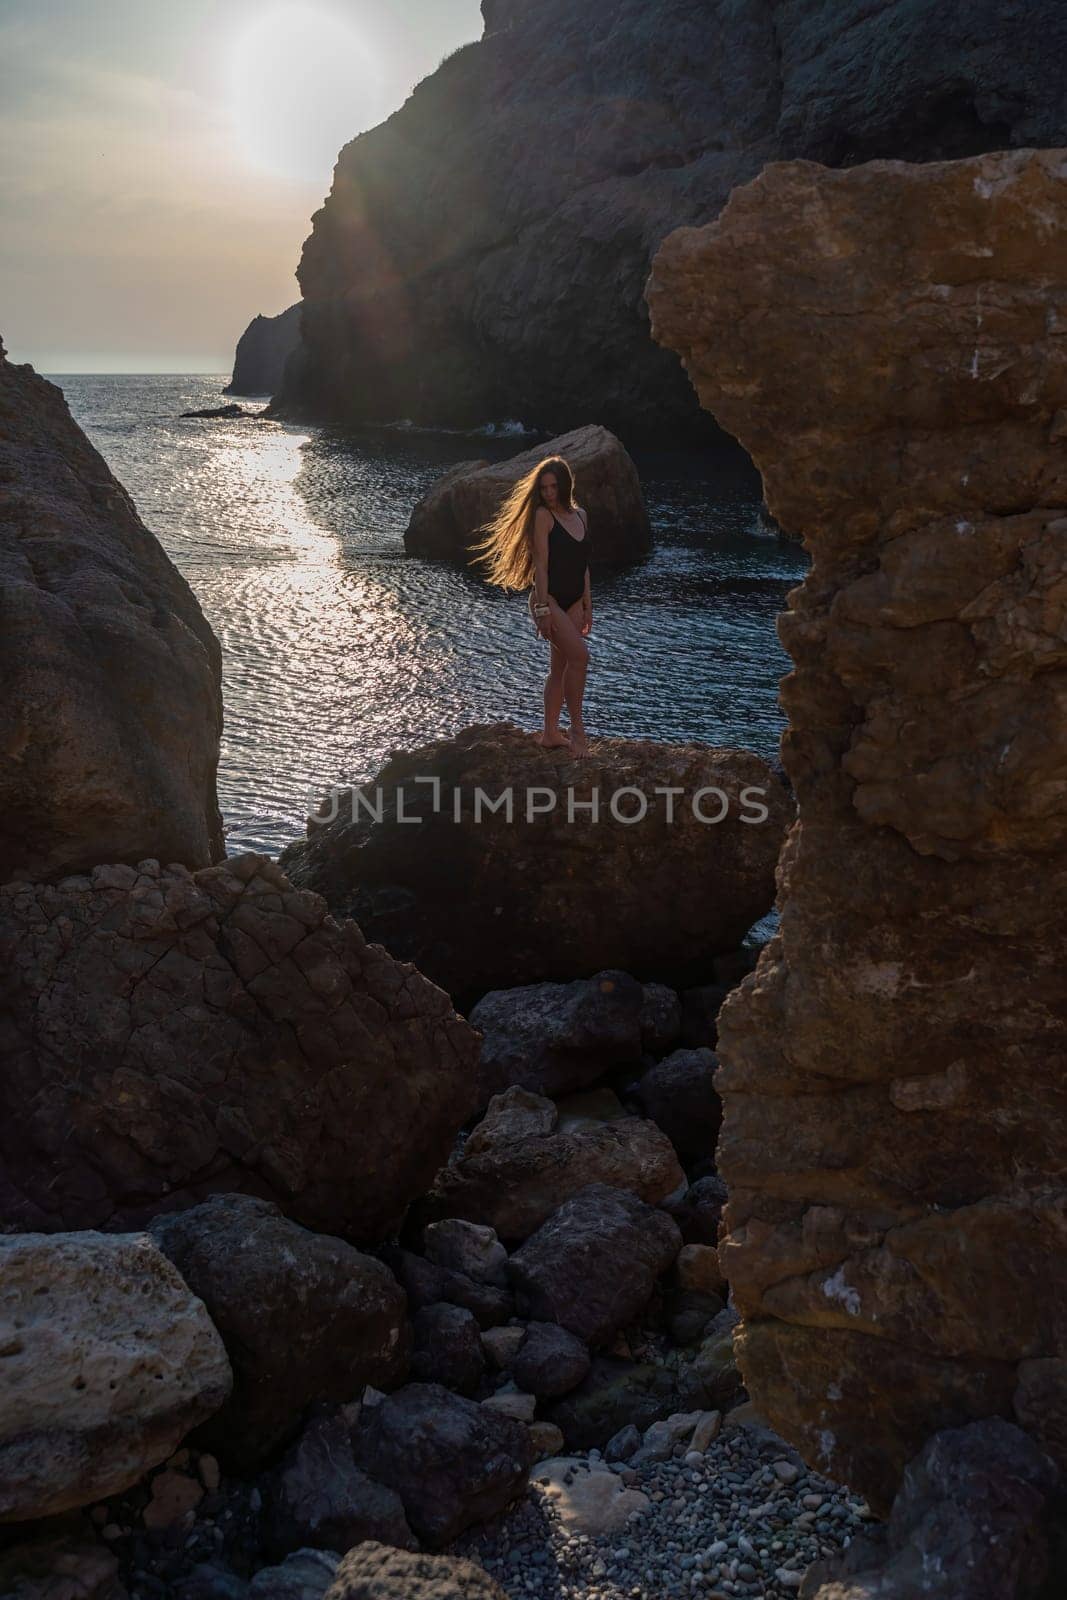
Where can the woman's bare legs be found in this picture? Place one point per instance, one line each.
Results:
(553, 736)
(566, 636)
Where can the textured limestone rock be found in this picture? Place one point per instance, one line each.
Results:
(486, 903)
(514, 1182)
(262, 351)
(446, 520)
(304, 1317)
(374, 1572)
(592, 1266)
(453, 1463)
(498, 272)
(107, 1360)
(112, 705)
(886, 342)
(166, 1035)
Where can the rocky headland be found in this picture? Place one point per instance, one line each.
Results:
(483, 253)
(262, 351)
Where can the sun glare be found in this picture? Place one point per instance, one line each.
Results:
(303, 82)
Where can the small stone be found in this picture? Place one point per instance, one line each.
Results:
(520, 1406)
(501, 1345)
(547, 1439)
(174, 1496)
(208, 1468)
(785, 1471)
(788, 1578)
(706, 1431)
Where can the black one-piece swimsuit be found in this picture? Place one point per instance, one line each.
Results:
(568, 559)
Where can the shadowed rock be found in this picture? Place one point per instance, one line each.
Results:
(453, 1463)
(304, 1317)
(166, 1035)
(112, 705)
(530, 886)
(515, 1180)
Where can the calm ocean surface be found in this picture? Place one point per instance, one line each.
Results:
(337, 646)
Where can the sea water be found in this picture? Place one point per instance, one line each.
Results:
(338, 646)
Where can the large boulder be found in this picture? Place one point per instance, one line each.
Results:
(374, 1572)
(452, 1462)
(318, 1498)
(112, 705)
(107, 1360)
(165, 1035)
(970, 1522)
(592, 1266)
(262, 351)
(482, 890)
(497, 272)
(514, 1181)
(304, 1317)
(678, 1093)
(552, 1038)
(885, 342)
(447, 519)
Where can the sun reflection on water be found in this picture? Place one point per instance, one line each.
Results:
(337, 647)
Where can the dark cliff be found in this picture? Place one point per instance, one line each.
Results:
(483, 253)
(262, 351)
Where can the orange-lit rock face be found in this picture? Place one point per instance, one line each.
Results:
(889, 343)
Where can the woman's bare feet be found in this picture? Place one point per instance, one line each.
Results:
(556, 740)
(579, 743)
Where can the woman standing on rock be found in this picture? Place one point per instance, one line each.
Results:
(540, 536)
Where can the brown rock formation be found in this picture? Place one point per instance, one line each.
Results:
(167, 1035)
(445, 520)
(482, 254)
(111, 708)
(487, 903)
(887, 343)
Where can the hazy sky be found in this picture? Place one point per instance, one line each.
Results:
(160, 162)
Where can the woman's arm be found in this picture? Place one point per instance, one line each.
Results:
(539, 592)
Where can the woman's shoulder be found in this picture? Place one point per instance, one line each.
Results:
(543, 517)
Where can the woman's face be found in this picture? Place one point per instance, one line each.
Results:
(549, 489)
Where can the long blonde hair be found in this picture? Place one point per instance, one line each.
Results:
(506, 548)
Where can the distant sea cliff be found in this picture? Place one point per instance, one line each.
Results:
(484, 252)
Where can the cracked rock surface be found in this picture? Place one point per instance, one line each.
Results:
(166, 1035)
